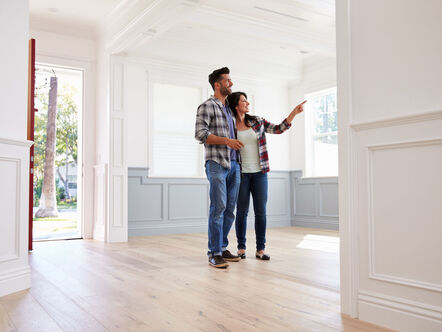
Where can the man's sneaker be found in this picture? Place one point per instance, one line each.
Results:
(229, 257)
(218, 261)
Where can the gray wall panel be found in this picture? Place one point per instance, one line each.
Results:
(188, 201)
(328, 200)
(140, 208)
(181, 205)
(315, 202)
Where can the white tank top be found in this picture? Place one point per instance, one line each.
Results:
(249, 153)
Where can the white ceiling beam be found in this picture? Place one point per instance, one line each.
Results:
(156, 17)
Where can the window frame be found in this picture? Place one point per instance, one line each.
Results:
(310, 134)
(204, 94)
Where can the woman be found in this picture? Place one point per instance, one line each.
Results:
(255, 165)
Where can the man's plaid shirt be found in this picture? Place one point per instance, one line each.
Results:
(261, 126)
(210, 119)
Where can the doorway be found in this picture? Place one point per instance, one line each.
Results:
(57, 153)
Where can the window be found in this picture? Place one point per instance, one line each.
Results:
(175, 150)
(322, 133)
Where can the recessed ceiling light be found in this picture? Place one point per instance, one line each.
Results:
(304, 52)
(53, 10)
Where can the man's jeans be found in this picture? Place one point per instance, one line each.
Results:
(255, 183)
(224, 187)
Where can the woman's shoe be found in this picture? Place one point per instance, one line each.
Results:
(242, 254)
(262, 256)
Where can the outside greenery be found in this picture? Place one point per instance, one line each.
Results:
(67, 96)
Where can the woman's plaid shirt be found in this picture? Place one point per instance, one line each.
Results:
(210, 119)
(261, 126)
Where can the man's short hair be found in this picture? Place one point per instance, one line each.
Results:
(216, 76)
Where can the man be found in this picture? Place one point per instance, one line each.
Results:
(215, 128)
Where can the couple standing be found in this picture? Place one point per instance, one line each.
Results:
(225, 128)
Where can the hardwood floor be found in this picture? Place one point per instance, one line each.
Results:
(164, 283)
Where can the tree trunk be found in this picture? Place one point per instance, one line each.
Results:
(48, 201)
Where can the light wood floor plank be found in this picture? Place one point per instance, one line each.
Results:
(164, 283)
(26, 313)
(6, 324)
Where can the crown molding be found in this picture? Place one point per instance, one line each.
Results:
(397, 121)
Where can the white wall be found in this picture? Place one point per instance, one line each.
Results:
(78, 53)
(315, 77)
(14, 28)
(390, 141)
(14, 149)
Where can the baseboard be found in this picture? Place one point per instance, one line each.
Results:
(15, 280)
(315, 223)
(399, 314)
(185, 228)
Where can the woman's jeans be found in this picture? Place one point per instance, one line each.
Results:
(224, 185)
(255, 184)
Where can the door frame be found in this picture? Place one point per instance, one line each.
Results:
(85, 157)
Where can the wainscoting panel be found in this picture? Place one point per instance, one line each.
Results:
(14, 222)
(394, 166)
(197, 207)
(10, 196)
(398, 214)
(181, 205)
(278, 203)
(315, 202)
(100, 202)
(328, 200)
(141, 208)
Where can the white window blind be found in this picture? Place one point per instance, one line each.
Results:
(175, 150)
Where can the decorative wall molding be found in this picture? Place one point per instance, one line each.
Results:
(373, 274)
(11, 141)
(184, 212)
(14, 204)
(117, 225)
(313, 216)
(14, 280)
(397, 121)
(100, 202)
(169, 210)
(414, 311)
(14, 250)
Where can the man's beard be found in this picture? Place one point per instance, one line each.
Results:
(225, 91)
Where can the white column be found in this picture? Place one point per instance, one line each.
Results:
(117, 228)
(390, 146)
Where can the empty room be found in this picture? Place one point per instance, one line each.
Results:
(205, 165)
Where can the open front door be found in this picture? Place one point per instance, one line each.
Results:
(31, 116)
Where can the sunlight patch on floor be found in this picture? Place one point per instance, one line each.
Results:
(320, 243)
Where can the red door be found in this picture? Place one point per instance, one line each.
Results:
(31, 116)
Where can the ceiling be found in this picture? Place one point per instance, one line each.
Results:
(79, 17)
(280, 35)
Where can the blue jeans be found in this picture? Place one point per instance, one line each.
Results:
(255, 184)
(224, 186)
